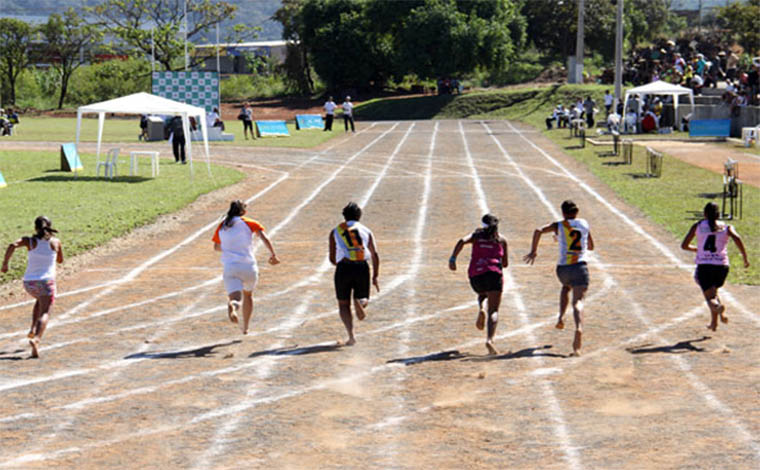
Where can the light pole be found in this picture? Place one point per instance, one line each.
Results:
(579, 44)
(187, 58)
(618, 55)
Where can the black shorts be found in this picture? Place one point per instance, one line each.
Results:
(710, 275)
(575, 275)
(488, 281)
(352, 275)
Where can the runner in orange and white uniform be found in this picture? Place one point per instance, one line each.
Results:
(44, 251)
(234, 238)
(350, 245)
(575, 241)
(712, 258)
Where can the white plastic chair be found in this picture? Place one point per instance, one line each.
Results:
(109, 165)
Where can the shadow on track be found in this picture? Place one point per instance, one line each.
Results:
(523, 353)
(5, 355)
(678, 348)
(205, 351)
(452, 355)
(296, 351)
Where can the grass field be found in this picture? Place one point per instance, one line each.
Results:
(674, 200)
(92, 210)
(38, 129)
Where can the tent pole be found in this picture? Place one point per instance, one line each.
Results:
(188, 141)
(101, 121)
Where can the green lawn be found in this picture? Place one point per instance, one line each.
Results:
(50, 129)
(675, 200)
(87, 210)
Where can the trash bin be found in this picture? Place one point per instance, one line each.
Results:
(155, 128)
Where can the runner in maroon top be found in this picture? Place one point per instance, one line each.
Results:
(489, 257)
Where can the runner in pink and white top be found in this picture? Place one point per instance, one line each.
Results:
(712, 258)
(489, 257)
(44, 251)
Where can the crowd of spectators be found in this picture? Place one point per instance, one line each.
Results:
(697, 64)
(8, 119)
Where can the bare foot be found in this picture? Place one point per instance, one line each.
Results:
(560, 325)
(360, 313)
(350, 342)
(491, 349)
(34, 343)
(232, 311)
(713, 326)
(722, 313)
(480, 323)
(577, 343)
(30, 335)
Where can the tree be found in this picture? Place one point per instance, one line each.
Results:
(131, 22)
(67, 38)
(297, 68)
(15, 39)
(743, 20)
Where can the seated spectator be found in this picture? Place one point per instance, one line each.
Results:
(554, 116)
(696, 84)
(649, 123)
(213, 119)
(631, 118)
(563, 120)
(5, 123)
(613, 122)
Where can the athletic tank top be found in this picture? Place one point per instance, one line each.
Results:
(486, 256)
(711, 246)
(572, 235)
(236, 241)
(351, 241)
(40, 265)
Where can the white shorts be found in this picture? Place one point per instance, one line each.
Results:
(239, 277)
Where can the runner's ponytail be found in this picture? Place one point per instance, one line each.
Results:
(237, 208)
(712, 213)
(489, 228)
(43, 228)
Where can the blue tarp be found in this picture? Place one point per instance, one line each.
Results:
(2, 181)
(710, 128)
(70, 158)
(276, 128)
(309, 121)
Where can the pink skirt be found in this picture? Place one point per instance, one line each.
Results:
(41, 288)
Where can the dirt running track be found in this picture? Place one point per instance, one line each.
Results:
(140, 368)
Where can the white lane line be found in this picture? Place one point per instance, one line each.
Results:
(555, 413)
(664, 250)
(703, 390)
(264, 368)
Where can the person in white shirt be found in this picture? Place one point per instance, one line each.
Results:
(329, 113)
(348, 114)
(214, 120)
(44, 251)
(234, 238)
(608, 100)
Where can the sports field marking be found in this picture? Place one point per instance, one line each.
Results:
(635, 227)
(555, 413)
(706, 393)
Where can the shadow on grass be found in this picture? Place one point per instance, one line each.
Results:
(709, 196)
(205, 351)
(678, 348)
(296, 351)
(89, 179)
(523, 353)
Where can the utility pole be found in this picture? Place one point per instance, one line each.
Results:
(579, 44)
(618, 56)
(187, 58)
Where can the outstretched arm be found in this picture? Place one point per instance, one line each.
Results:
(24, 241)
(457, 249)
(688, 238)
(272, 259)
(375, 262)
(530, 258)
(739, 244)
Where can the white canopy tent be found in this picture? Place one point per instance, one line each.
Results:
(660, 87)
(145, 103)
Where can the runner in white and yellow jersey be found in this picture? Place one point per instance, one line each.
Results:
(712, 258)
(234, 238)
(574, 242)
(351, 243)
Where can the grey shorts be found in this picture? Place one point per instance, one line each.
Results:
(575, 275)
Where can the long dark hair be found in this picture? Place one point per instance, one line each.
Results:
(43, 228)
(712, 213)
(490, 227)
(237, 207)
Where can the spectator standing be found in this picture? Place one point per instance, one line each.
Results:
(246, 115)
(329, 113)
(178, 139)
(608, 100)
(753, 81)
(143, 127)
(732, 62)
(588, 108)
(348, 114)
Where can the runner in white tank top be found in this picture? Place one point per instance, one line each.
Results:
(575, 241)
(234, 238)
(44, 250)
(712, 258)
